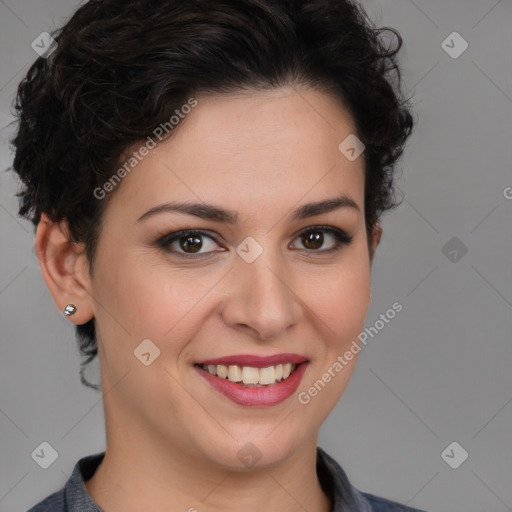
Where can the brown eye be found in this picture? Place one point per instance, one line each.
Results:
(188, 244)
(314, 238)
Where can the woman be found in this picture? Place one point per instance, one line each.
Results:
(207, 179)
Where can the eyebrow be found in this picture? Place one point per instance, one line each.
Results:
(218, 214)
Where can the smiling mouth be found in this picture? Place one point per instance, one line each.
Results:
(249, 376)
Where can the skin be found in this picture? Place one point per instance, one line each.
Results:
(171, 438)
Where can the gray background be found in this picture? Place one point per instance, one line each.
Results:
(437, 373)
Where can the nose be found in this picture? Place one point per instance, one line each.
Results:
(260, 298)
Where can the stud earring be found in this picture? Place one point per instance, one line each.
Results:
(69, 310)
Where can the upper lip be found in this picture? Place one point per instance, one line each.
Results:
(256, 361)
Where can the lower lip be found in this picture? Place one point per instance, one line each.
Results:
(256, 396)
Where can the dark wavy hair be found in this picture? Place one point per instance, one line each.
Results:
(122, 67)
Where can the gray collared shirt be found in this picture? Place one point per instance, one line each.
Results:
(73, 497)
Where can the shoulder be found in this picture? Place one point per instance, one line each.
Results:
(73, 497)
(379, 504)
(55, 502)
(346, 497)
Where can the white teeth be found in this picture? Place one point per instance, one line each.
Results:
(267, 375)
(278, 371)
(235, 373)
(251, 376)
(222, 371)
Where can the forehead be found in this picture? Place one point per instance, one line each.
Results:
(250, 149)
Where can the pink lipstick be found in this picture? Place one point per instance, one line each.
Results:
(254, 394)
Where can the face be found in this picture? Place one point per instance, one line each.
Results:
(271, 282)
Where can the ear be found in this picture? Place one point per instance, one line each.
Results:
(375, 239)
(64, 268)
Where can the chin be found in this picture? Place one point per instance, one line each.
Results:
(255, 452)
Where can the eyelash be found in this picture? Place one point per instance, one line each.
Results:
(341, 239)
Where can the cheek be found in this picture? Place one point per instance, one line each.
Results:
(163, 304)
(340, 299)
(159, 306)
(341, 303)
